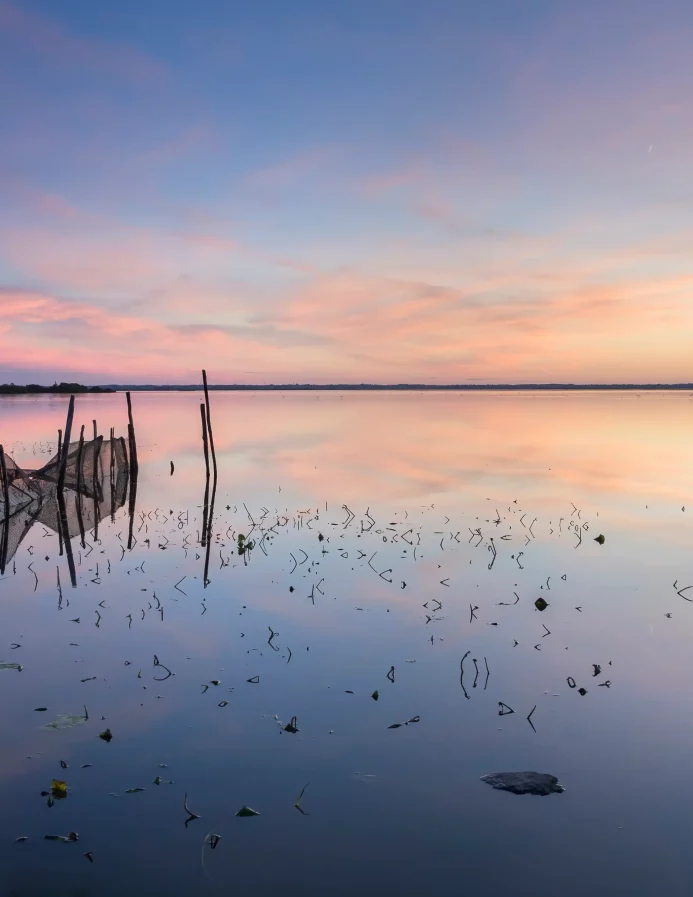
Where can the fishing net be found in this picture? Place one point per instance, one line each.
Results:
(96, 485)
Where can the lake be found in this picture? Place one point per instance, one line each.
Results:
(388, 530)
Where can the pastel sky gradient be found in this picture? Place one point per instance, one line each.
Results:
(346, 191)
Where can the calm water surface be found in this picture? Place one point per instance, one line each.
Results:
(436, 484)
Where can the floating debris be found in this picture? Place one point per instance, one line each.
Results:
(247, 811)
(68, 720)
(539, 783)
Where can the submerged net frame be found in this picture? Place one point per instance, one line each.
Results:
(95, 485)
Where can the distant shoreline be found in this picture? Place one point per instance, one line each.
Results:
(404, 387)
(76, 388)
(60, 389)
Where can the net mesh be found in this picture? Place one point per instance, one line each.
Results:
(96, 485)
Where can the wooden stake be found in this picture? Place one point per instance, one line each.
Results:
(6, 497)
(80, 478)
(62, 519)
(209, 424)
(66, 444)
(96, 484)
(134, 466)
(205, 445)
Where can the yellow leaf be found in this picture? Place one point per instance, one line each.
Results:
(58, 788)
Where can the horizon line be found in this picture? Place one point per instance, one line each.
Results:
(395, 386)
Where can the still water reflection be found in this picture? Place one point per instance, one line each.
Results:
(461, 504)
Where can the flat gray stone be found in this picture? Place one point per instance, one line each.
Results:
(524, 782)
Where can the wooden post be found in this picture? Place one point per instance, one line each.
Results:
(132, 503)
(208, 535)
(112, 473)
(204, 436)
(205, 502)
(64, 529)
(6, 497)
(80, 486)
(80, 459)
(96, 482)
(209, 423)
(134, 467)
(66, 444)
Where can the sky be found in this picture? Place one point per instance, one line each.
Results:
(346, 191)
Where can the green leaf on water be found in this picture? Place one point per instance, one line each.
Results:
(157, 781)
(6, 665)
(375, 695)
(247, 811)
(40, 709)
(106, 735)
(600, 538)
(133, 790)
(540, 604)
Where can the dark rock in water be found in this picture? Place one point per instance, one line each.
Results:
(524, 782)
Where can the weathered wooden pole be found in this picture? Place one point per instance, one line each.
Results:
(209, 423)
(80, 460)
(80, 486)
(112, 473)
(96, 481)
(65, 530)
(134, 467)
(205, 502)
(66, 444)
(208, 536)
(6, 499)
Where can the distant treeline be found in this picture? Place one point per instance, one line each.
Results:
(58, 388)
(405, 387)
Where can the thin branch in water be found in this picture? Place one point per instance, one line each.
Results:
(462, 674)
(190, 813)
(157, 663)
